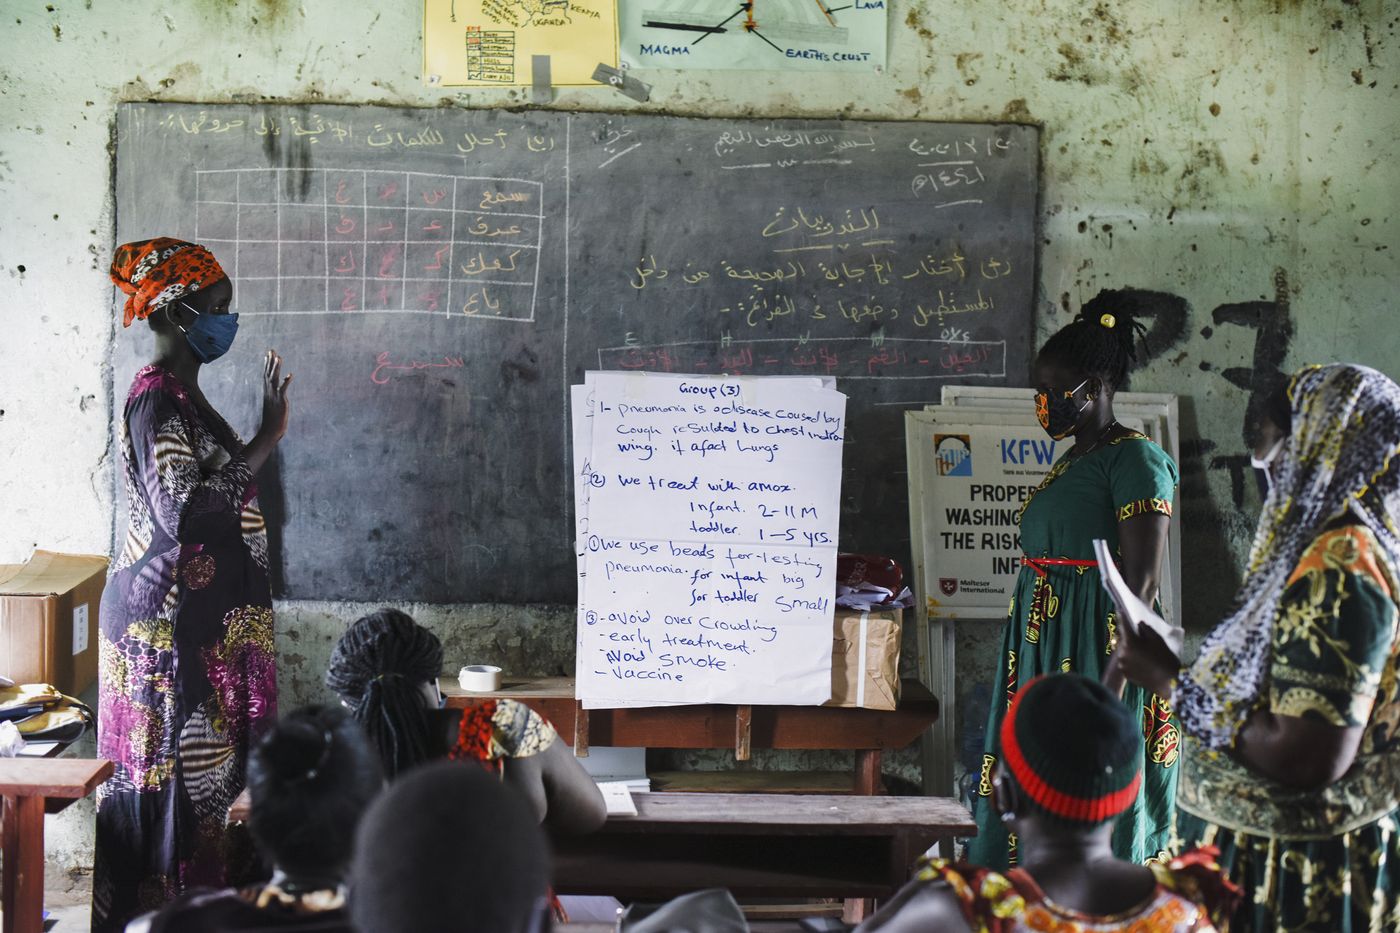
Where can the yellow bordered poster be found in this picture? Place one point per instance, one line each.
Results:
(491, 43)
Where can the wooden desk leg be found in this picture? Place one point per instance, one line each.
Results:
(857, 909)
(868, 772)
(580, 730)
(743, 733)
(901, 862)
(23, 877)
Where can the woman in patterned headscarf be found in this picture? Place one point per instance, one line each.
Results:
(1292, 754)
(187, 678)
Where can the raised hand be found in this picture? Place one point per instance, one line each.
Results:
(276, 409)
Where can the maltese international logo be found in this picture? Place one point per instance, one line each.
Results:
(953, 454)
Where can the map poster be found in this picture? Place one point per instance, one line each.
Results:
(786, 35)
(491, 43)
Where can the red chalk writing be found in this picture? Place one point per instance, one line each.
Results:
(385, 368)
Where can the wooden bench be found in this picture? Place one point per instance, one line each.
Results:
(866, 732)
(758, 845)
(32, 787)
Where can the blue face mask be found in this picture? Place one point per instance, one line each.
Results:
(211, 335)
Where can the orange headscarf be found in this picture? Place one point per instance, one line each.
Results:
(153, 273)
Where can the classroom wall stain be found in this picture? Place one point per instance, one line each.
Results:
(1202, 147)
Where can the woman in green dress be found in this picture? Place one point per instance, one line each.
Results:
(1291, 710)
(1114, 484)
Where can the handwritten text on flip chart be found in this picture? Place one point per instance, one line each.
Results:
(707, 537)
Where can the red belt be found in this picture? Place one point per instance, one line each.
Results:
(1038, 564)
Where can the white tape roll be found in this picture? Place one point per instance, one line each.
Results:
(480, 678)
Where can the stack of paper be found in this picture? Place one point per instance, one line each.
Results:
(618, 799)
(867, 597)
(37, 749)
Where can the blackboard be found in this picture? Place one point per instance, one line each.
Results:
(437, 278)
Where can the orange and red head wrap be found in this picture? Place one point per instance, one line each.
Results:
(153, 273)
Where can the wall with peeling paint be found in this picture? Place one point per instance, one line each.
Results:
(1235, 157)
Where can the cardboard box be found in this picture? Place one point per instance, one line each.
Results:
(48, 619)
(865, 659)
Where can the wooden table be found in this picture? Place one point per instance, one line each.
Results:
(758, 845)
(32, 787)
(742, 728)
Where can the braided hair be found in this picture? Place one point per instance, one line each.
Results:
(378, 668)
(1101, 340)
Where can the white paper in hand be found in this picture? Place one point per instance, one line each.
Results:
(1132, 611)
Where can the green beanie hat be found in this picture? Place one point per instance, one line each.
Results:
(1073, 748)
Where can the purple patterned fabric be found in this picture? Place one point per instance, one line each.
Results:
(187, 671)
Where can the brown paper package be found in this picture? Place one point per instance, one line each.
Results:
(883, 633)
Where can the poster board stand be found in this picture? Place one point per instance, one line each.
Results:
(935, 630)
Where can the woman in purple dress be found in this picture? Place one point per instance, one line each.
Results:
(187, 677)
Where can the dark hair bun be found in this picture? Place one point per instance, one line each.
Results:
(1115, 311)
(299, 747)
(1109, 320)
(1102, 339)
(309, 779)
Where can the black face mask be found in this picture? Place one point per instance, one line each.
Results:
(1058, 414)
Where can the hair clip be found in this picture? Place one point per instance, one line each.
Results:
(1108, 320)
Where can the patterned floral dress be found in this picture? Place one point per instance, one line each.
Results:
(1184, 901)
(1326, 859)
(1063, 620)
(187, 677)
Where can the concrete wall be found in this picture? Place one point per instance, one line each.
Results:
(1235, 157)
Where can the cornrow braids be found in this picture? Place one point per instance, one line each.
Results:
(1102, 340)
(377, 669)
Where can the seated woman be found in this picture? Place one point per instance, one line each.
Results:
(309, 779)
(1071, 761)
(385, 668)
